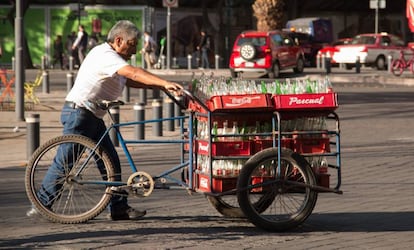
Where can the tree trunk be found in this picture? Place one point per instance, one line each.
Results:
(269, 14)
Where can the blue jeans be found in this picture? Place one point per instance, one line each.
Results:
(204, 58)
(83, 122)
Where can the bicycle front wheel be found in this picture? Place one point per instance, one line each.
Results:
(66, 179)
(397, 67)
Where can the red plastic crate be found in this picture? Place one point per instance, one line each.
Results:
(311, 145)
(325, 101)
(258, 180)
(219, 184)
(225, 148)
(262, 144)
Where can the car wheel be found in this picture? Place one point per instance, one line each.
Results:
(247, 51)
(380, 63)
(275, 71)
(300, 64)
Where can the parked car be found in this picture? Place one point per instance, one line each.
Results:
(330, 49)
(309, 46)
(370, 49)
(266, 52)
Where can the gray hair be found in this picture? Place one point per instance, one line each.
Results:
(124, 28)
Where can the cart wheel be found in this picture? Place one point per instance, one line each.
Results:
(276, 198)
(226, 205)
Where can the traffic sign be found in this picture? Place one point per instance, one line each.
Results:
(170, 3)
(377, 4)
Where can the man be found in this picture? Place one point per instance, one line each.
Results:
(204, 46)
(103, 75)
(81, 44)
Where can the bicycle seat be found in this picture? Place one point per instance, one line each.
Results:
(105, 104)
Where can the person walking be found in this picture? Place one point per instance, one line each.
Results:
(102, 76)
(81, 44)
(58, 51)
(204, 47)
(149, 50)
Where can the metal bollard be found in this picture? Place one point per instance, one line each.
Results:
(69, 81)
(389, 61)
(13, 63)
(177, 111)
(156, 93)
(71, 59)
(112, 134)
(318, 60)
(139, 109)
(217, 61)
(45, 83)
(43, 62)
(358, 65)
(189, 58)
(126, 94)
(169, 104)
(323, 61)
(33, 133)
(163, 61)
(157, 115)
(142, 95)
(175, 62)
(328, 64)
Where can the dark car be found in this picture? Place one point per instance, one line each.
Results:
(267, 52)
(309, 46)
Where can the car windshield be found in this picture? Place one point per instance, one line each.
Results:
(364, 40)
(256, 41)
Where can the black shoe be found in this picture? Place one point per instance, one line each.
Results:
(127, 214)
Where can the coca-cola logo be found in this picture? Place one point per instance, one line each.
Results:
(202, 147)
(240, 101)
(305, 101)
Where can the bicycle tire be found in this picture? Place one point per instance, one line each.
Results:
(397, 67)
(287, 205)
(76, 201)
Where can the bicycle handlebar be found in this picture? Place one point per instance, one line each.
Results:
(189, 95)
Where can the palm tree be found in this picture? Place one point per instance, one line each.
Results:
(269, 14)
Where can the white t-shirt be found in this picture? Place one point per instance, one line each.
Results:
(97, 78)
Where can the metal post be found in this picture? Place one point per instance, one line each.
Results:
(71, 60)
(43, 62)
(33, 133)
(318, 60)
(157, 115)
(189, 57)
(169, 104)
(45, 83)
(13, 64)
(20, 68)
(142, 94)
(217, 61)
(163, 62)
(69, 81)
(328, 64)
(168, 37)
(175, 62)
(389, 58)
(112, 134)
(358, 65)
(139, 109)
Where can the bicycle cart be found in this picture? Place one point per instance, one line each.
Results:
(262, 156)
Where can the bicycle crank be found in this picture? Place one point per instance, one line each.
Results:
(141, 184)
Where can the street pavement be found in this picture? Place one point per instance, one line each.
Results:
(375, 211)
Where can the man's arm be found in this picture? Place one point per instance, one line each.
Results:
(140, 78)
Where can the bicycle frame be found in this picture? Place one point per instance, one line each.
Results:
(123, 143)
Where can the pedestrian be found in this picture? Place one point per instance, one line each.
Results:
(81, 44)
(149, 50)
(58, 51)
(102, 75)
(204, 48)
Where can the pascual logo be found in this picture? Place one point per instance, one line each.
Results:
(241, 101)
(304, 101)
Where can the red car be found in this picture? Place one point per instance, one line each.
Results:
(266, 52)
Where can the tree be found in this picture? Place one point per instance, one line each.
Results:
(269, 14)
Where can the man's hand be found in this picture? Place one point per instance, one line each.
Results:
(175, 88)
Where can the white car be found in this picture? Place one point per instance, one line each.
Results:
(370, 49)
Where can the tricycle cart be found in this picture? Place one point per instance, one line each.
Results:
(274, 152)
(261, 151)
